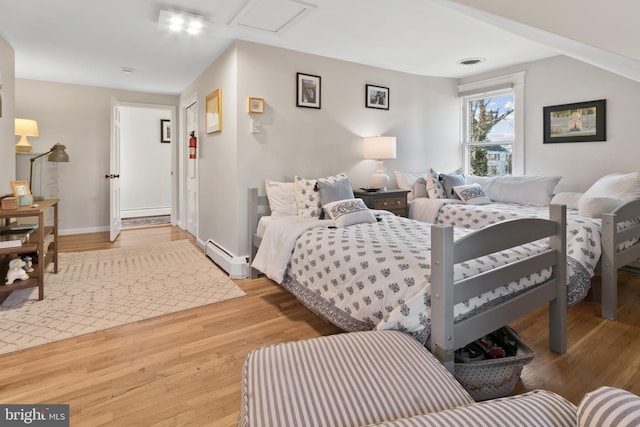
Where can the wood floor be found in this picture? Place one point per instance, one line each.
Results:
(184, 368)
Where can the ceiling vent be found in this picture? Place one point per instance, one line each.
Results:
(470, 61)
(273, 16)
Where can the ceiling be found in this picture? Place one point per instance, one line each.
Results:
(89, 42)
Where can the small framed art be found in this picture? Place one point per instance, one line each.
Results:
(255, 105)
(165, 131)
(213, 115)
(578, 122)
(377, 97)
(308, 91)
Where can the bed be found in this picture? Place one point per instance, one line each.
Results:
(590, 244)
(444, 286)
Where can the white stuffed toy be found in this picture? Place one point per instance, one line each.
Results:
(16, 271)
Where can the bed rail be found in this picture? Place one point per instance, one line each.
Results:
(447, 335)
(258, 207)
(612, 257)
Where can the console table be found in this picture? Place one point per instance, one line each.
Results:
(43, 241)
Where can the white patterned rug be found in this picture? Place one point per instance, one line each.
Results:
(101, 289)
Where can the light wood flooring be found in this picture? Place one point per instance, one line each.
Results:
(184, 368)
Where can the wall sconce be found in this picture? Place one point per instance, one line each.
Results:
(25, 128)
(56, 154)
(378, 148)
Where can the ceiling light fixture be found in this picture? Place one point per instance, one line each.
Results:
(178, 21)
(471, 61)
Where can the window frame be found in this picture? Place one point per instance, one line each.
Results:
(512, 83)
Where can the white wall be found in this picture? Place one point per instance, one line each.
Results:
(78, 117)
(145, 167)
(7, 137)
(562, 80)
(312, 143)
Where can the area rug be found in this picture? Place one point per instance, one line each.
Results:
(101, 289)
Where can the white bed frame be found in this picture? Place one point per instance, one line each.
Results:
(612, 259)
(446, 335)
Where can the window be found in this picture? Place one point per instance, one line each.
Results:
(491, 126)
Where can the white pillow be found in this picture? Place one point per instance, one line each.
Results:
(484, 181)
(594, 207)
(281, 197)
(406, 181)
(472, 194)
(349, 212)
(420, 188)
(567, 198)
(308, 202)
(617, 185)
(524, 189)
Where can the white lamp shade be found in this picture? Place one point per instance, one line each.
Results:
(380, 147)
(26, 127)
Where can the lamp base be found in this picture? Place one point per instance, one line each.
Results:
(380, 179)
(23, 147)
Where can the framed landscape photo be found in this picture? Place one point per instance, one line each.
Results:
(213, 114)
(578, 122)
(255, 105)
(377, 97)
(308, 90)
(20, 188)
(165, 131)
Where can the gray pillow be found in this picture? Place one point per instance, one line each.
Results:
(450, 180)
(334, 191)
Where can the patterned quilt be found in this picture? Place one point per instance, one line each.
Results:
(583, 236)
(377, 276)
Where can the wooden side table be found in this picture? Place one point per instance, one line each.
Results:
(391, 200)
(43, 241)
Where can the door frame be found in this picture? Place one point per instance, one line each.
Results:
(183, 158)
(175, 167)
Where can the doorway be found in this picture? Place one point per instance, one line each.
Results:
(146, 159)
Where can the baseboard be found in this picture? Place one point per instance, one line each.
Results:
(236, 266)
(69, 231)
(136, 213)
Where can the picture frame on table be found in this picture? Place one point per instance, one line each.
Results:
(255, 105)
(22, 192)
(377, 97)
(308, 90)
(576, 122)
(165, 131)
(213, 115)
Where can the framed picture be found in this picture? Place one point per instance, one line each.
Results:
(376, 97)
(308, 90)
(579, 122)
(255, 105)
(20, 188)
(165, 131)
(213, 106)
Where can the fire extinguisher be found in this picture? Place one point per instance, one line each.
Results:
(193, 143)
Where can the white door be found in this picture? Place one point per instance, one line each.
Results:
(191, 212)
(115, 220)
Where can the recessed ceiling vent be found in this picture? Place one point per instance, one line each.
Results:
(470, 61)
(271, 15)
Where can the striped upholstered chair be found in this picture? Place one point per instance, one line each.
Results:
(375, 378)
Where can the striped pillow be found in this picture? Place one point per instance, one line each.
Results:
(535, 408)
(609, 406)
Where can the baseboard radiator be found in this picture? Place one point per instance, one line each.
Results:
(236, 266)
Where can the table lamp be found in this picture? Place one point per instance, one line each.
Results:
(56, 154)
(378, 148)
(25, 128)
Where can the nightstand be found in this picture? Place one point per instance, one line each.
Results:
(391, 200)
